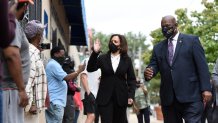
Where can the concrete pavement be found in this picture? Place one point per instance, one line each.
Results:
(132, 119)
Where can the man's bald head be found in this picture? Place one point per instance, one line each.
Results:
(169, 18)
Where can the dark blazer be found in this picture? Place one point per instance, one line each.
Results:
(188, 76)
(121, 83)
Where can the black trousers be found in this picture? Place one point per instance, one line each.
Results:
(215, 115)
(190, 112)
(207, 114)
(112, 112)
(96, 115)
(145, 112)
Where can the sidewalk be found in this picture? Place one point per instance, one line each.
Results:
(132, 119)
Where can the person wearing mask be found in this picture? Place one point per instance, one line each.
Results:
(57, 86)
(37, 84)
(141, 103)
(185, 79)
(16, 68)
(118, 81)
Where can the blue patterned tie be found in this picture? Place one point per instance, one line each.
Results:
(170, 51)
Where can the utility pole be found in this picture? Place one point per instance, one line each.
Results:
(140, 59)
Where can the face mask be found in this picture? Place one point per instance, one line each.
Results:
(113, 48)
(168, 32)
(60, 60)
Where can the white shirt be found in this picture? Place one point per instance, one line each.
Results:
(174, 41)
(115, 60)
(93, 80)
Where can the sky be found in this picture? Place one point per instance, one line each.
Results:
(122, 16)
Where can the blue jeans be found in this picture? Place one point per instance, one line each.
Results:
(76, 116)
(54, 114)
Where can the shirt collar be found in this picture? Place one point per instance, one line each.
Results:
(175, 38)
(33, 48)
(113, 56)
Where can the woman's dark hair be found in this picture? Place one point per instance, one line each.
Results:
(123, 44)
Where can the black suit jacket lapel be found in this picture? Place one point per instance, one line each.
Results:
(108, 61)
(120, 64)
(178, 46)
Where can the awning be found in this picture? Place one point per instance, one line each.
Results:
(75, 12)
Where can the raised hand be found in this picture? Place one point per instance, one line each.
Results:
(97, 46)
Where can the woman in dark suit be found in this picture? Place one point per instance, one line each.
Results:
(117, 84)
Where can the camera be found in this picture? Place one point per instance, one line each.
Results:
(45, 45)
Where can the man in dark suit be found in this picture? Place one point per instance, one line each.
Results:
(185, 80)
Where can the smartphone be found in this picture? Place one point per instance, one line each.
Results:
(84, 63)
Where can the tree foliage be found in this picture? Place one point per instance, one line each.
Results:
(134, 42)
(203, 24)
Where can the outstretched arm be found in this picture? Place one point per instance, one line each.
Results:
(93, 60)
(75, 74)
